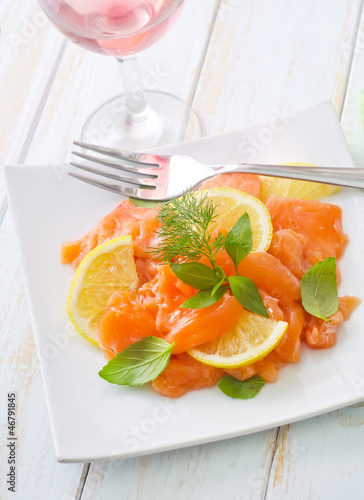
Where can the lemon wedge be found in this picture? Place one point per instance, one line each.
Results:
(250, 340)
(231, 204)
(293, 188)
(107, 268)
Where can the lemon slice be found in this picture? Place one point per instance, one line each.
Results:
(293, 188)
(250, 340)
(107, 268)
(231, 204)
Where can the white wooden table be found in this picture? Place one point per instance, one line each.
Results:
(237, 62)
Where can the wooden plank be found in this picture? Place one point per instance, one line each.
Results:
(233, 469)
(38, 474)
(320, 458)
(29, 51)
(274, 57)
(353, 110)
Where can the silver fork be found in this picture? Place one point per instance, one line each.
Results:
(161, 178)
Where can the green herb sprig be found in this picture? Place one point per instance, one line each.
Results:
(183, 230)
(184, 238)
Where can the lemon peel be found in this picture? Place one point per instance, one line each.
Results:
(252, 338)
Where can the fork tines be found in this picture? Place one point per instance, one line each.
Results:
(139, 170)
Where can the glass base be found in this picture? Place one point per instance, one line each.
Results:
(167, 120)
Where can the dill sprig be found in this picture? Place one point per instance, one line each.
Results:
(183, 233)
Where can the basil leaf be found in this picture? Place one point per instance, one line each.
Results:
(246, 292)
(144, 203)
(196, 274)
(242, 390)
(138, 363)
(319, 289)
(239, 240)
(205, 298)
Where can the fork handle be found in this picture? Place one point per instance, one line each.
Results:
(340, 176)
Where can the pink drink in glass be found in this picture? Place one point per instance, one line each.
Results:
(113, 27)
(137, 119)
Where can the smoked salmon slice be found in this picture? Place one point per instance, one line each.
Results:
(139, 222)
(319, 223)
(289, 247)
(184, 374)
(320, 334)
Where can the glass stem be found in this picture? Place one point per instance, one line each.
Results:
(137, 107)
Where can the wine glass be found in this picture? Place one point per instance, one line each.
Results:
(138, 119)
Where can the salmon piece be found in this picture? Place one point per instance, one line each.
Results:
(347, 305)
(197, 326)
(320, 334)
(70, 252)
(147, 236)
(163, 296)
(269, 366)
(269, 274)
(319, 223)
(249, 183)
(139, 222)
(288, 246)
(184, 374)
(242, 373)
(272, 306)
(289, 347)
(124, 322)
(146, 270)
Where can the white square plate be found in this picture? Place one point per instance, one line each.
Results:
(92, 419)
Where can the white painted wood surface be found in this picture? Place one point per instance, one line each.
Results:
(29, 56)
(238, 62)
(353, 111)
